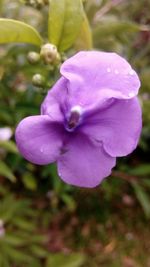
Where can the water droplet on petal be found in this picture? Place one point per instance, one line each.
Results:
(131, 94)
(59, 173)
(131, 72)
(108, 70)
(41, 150)
(116, 72)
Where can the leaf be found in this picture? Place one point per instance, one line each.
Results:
(69, 201)
(13, 240)
(14, 31)
(39, 251)
(65, 19)
(24, 224)
(61, 260)
(17, 255)
(117, 28)
(6, 172)
(9, 146)
(142, 170)
(143, 198)
(84, 38)
(29, 181)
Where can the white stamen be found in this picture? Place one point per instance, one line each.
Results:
(76, 109)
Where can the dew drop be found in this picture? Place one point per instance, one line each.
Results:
(131, 72)
(59, 173)
(131, 94)
(116, 72)
(41, 150)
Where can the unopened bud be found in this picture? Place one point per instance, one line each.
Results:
(33, 57)
(49, 54)
(35, 3)
(46, 2)
(38, 80)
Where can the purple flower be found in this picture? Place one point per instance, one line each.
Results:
(90, 117)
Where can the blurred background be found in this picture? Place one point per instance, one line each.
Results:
(44, 222)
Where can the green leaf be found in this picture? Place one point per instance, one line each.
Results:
(14, 31)
(84, 38)
(117, 29)
(61, 260)
(143, 198)
(24, 224)
(65, 19)
(13, 240)
(9, 146)
(29, 181)
(39, 251)
(142, 170)
(69, 201)
(6, 172)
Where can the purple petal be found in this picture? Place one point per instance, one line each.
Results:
(55, 101)
(118, 126)
(83, 163)
(96, 75)
(39, 140)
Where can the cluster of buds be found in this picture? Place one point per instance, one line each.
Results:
(36, 3)
(49, 55)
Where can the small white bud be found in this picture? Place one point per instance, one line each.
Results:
(5, 133)
(49, 54)
(33, 57)
(38, 80)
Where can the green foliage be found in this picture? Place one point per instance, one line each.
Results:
(84, 39)
(61, 260)
(143, 198)
(13, 31)
(6, 172)
(9, 146)
(20, 243)
(65, 19)
(36, 195)
(141, 170)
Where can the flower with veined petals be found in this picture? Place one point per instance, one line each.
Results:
(89, 117)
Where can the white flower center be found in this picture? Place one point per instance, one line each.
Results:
(74, 118)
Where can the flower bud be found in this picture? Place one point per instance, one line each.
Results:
(38, 80)
(33, 57)
(49, 54)
(35, 3)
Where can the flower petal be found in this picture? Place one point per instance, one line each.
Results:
(99, 75)
(54, 103)
(83, 163)
(118, 126)
(39, 140)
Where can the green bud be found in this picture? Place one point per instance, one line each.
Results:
(35, 3)
(38, 80)
(49, 54)
(33, 57)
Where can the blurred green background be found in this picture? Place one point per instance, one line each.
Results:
(44, 222)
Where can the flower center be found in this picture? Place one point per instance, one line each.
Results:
(74, 118)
